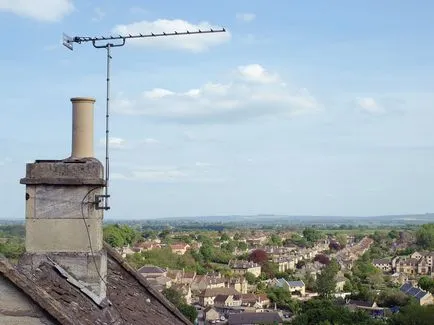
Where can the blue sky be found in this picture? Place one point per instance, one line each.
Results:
(303, 107)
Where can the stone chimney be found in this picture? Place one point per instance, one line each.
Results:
(63, 219)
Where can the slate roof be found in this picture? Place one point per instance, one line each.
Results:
(254, 318)
(151, 269)
(381, 261)
(408, 289)
(296, 283)
(133, 300)
(214, 292)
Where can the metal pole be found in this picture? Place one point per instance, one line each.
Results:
(107, 173)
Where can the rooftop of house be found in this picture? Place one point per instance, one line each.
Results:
(255, 318)
(408, 289)
(381, 261)
(151, 269)
(219, 291)
(130, 298)
(243, 264)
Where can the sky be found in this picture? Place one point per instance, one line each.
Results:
(303, 107)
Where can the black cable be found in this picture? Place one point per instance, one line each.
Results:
(91, 248)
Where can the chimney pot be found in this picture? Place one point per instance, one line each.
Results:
(82, 127)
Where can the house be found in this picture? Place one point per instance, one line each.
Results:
(255, 318)
(175, 275)
(151, 271)
(68, 276)
(257, 240)
(424, 298)
(384, 264)
(180, 248)
(160, 283)
(207, 296)
(369, 307)
(211, 314)
(291, 286)
(239, 284)
(188, 277)
(242, 267)
(227, 300)
(407, 265)
(423, 266)
(284, 263)
(263, 300)
(249, 299)
(398, 278)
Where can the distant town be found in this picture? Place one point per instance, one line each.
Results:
(218, 274)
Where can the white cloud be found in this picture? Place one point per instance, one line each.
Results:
(369, 105)
(194, 43)
(246, 17)
(254, 92)
(99, 14)
(42, 10)
(114, 143)
(257, 73)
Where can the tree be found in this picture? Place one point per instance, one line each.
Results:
(258, 256)
(207, 252)
(393, 234)
(413, 314)
(392, 297)
(324, 311)
(270, 269)
(425, 236)
(188, 311)
(321, 258)
(326, 280)
(251, 278)
(121, 235)
(282, 299)
(174, 296)
(224, 237)
(275, 240)
(312, 235)
(13, 248)
(342, 240)
(229, 247)
(242, 246)
(179, 301)
(426, 283)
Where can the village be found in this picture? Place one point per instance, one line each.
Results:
(239, 292)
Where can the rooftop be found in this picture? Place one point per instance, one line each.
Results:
(130, 298)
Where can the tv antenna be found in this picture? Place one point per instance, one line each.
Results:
(98, 43)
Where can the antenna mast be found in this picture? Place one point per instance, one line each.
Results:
(98, 42)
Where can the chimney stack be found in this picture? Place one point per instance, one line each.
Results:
(63, 221)
(82, 127)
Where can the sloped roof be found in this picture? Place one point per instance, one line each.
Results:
(133, 300)
(219, 291)
(254, 318)
(151, 269)
(408, 289)
(296, 283)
